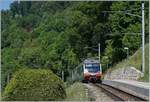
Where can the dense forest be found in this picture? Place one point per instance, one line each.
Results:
(53, 34)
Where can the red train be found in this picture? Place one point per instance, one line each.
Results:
(92, 71)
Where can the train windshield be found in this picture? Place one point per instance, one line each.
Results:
(93, 68)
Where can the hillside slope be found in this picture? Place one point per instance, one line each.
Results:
(136, 61)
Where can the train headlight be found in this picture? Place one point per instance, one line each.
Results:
(98, 73)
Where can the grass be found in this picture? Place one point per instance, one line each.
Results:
(136, 61)
(76, 92)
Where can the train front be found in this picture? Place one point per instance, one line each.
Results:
(92, 71)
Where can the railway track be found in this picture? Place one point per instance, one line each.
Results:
(117, 94)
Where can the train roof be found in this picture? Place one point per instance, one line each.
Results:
(91, 61)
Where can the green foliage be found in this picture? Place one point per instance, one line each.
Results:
(34, 85)
(28, 22)
(132, 41)
(108, 55)
(109, 50)
(126, 27)
(31, 57)
(9, 63)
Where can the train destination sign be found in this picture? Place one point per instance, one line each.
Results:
(92, 64)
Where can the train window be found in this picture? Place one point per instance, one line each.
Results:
(92, 67)
(88, 65)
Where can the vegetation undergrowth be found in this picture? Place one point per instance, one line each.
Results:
(76, 92)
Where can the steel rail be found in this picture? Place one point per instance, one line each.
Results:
(120, 94)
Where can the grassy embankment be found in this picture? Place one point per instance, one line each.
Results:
(76, 92)
(136, 61)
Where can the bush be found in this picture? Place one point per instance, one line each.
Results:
(34, 85)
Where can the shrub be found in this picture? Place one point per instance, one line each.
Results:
(34, 85)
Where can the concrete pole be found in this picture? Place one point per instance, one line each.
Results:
(99, 55)
(62, 73)
(128, 53)
(72, 74)
(99, 52)
(8, 78)
(149, 42)
(143, 40)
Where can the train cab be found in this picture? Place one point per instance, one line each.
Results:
(92, 71)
